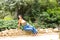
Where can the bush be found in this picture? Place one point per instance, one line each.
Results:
(10, 24)
(45, 12)
(8, 17)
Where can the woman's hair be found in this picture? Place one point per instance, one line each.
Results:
(20, 15)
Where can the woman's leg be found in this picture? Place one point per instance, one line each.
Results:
(30, 28)
(34, 30)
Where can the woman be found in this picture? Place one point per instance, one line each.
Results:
(25, 25)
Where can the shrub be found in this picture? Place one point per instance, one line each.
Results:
(45, 12)
(10, 24)
(8, 18)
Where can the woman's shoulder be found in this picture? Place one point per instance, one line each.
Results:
(23, 20)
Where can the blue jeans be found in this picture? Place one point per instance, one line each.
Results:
(28, 27)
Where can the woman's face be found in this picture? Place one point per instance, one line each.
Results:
(20, 17)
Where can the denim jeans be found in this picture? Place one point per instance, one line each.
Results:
(28, 27)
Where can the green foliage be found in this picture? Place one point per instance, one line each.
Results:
(8, 18)
(45, 12)
(10, 24)
(1, 23)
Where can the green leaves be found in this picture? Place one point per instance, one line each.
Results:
(8, 24)
(43, 2)
(8, 18)
(46, 12)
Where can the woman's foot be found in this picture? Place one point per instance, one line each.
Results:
(36, 34)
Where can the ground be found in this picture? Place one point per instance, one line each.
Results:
(52, 36)
(14, 34)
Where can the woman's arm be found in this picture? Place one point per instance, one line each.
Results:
(18, 24)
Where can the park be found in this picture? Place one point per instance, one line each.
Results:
(43, 15)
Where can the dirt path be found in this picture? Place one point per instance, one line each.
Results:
(43, 34)
(50, 36)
